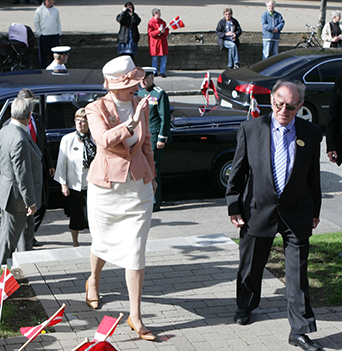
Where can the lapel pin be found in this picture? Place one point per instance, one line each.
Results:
(75, 148)
(300, 142)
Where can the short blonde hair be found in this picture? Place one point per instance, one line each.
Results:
(81, 113)
(228, 9)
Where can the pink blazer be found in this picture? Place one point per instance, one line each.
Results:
(114, 159)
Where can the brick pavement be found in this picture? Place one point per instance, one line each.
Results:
(188, 301)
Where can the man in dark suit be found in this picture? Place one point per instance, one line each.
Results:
(274, 187)
(333, 131)
(20, 181)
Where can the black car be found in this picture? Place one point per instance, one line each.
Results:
(203, 143)
(315, 67)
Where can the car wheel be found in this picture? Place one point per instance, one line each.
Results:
(220, 174)
(307, 112)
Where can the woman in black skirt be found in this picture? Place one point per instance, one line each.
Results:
(76, 152)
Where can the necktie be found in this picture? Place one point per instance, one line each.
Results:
(280, 162)
(32, 131)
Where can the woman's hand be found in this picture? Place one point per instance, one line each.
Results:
(65, 190)
(154, 185)
(132, 124)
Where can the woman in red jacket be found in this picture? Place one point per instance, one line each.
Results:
(157, 39)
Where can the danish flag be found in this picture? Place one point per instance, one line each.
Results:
(254, 107)
(32, 332)
(176, 23)
(106, 328)
(8, 285)
(206, 84)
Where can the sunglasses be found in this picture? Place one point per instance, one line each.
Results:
(288, 107)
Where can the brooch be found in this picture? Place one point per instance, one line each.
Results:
(300, 142)
(75, 148)
(113, 119)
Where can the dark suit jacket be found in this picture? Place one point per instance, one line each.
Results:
(251, 190)
(334, 121)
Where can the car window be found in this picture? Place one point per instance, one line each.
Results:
(329, 70)
(313, 76)
(61, 108)
(278, 66)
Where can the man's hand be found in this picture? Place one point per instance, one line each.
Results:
(315, 223)
(160, 145)
(332, 156)
(275, 30)
(51, 172)
(154, 185)
(237, 221)
(65, 190)
(31, 210)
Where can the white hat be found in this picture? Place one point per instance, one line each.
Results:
(149, 70)
(121, 73)
(60, 49)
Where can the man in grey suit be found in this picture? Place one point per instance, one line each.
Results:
(20, 181)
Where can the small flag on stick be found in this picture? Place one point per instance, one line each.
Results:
(176, 23)
(107, 328)
(32, 332)
(254, 108)
(206, 84)
(8, 285)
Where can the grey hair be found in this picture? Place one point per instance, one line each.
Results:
(228, 9)
(274, 3)
(21, 108)
(25, 94)
(155, 11)
(335, 13)
(81, 113)
(299, 85)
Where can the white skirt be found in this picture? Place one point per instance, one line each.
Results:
(119, 222)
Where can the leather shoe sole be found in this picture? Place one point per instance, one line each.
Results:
(304, 342)
(241, 317)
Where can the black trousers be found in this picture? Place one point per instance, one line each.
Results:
(158, 155)
(254, 252)
(45, 43)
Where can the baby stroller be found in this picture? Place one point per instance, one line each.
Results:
(14, 50)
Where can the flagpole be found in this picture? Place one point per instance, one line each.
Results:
(250, 104)
(43, 326)
(81, 344)
(113, 326)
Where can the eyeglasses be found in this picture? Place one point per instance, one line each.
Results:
(288, 107)
(82, 121)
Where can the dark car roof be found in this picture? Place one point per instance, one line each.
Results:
(285, 63)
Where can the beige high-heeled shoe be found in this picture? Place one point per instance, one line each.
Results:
(94, 304)
(145, 336)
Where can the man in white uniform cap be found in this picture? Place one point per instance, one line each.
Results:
(60, 57)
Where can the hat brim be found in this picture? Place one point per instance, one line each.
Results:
(111, 84)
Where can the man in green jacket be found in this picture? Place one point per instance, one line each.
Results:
(160, 117)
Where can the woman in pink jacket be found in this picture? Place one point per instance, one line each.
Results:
(157, 39)
(120, 184)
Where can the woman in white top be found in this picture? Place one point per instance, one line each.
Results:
(332, 31)
(76, 152)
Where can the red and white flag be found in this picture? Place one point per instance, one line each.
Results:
(106, 328)
(32, 332)
(254, 107)
(206, 84)
(176, 23)
(8, 285)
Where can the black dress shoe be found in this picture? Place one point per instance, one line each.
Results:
(304, 342)
(241, 317)
(36, 243)
(163, 75)
(156, 208)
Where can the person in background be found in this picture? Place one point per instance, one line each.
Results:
(272, 23)
(159, 119)
(333, 130)
(157, 41)
(274, 187)
(60, 58)
(48, 29)
(228, 31)
(128, 35)
(21, 180)
(120, 185)
(76, 152)
(332, 31)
